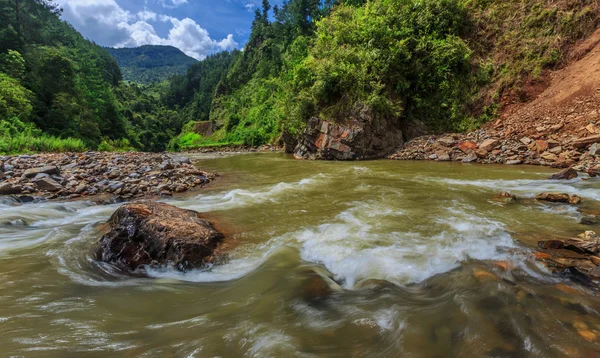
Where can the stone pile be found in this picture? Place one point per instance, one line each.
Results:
(486, 146)
(124, 175)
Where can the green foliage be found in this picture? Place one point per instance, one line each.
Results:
(151, 64)
(15, 100)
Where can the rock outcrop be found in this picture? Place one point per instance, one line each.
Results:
(576, 257)
(151, 233)
(363, 138)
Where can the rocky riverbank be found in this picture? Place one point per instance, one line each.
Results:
(120, 175)
(491, 147)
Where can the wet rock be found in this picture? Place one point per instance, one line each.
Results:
(554, 197)
(514, 162)
(49, 170)
(505, 197)
(470, 158)
(589, 220)
(574, 200)
(566, 174)
(47, 184)
(167, 166)
(146, 232)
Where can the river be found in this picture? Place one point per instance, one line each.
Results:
(420, 261)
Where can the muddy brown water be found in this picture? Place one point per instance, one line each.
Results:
(421, 264)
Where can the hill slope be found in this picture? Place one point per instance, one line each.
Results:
(149, 64)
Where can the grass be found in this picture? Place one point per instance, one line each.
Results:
(43, 143)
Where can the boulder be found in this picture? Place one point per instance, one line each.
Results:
(49, 170)
(47, 184)
(363, 136)
(566, 174)
(489, 144)
(151, 233)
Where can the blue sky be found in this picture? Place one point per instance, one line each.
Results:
(197, 27)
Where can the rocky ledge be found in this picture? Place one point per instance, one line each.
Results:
(124, 175)
(158, 234)
(489, 147)
(577, 258)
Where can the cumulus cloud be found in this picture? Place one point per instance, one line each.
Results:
(110, 25)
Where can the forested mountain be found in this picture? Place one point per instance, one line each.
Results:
(433, 65)
(59, 91)
(405, 65)
(150, 64)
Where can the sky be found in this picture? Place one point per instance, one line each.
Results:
(197, 27)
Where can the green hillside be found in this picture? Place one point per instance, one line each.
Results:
(150, 64)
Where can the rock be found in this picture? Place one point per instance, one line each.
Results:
(10, 189)
(489, 144)
(554, 197)
(443, 156)
(50, 170)
(470, 158)
(116, 185)
(584, 142)
(525, 140)
(467, 147)
(514, 162)
(505, 197)
(589, 220)
(446, 141)
(48, 184)
(594, 149)
(574, 200)
(551, 157)
(541, 146)
(556, 150)
(80, 188)
(114, 174)
(167, 166)
(363, 135)
(433, 156)
(566, 174)
(146, 232)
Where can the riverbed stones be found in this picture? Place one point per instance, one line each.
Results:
(151, 233)
(123, 175)
(505, 197)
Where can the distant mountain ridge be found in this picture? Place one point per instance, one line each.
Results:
(151, 63)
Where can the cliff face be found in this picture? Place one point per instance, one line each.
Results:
(361, 138)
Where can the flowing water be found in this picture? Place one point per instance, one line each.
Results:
(420, 261)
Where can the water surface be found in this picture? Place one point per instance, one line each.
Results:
(421, 263)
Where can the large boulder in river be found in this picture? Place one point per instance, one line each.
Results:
(363, 137)
(151, 233)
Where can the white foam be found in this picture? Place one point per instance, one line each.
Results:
(242, 197)
(352, 249)
(528, 188)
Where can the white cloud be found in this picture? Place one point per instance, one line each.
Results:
(110, 25)
(172, 3)
(250, 7)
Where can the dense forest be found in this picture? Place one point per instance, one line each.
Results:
(151, 64)
(446, 64)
